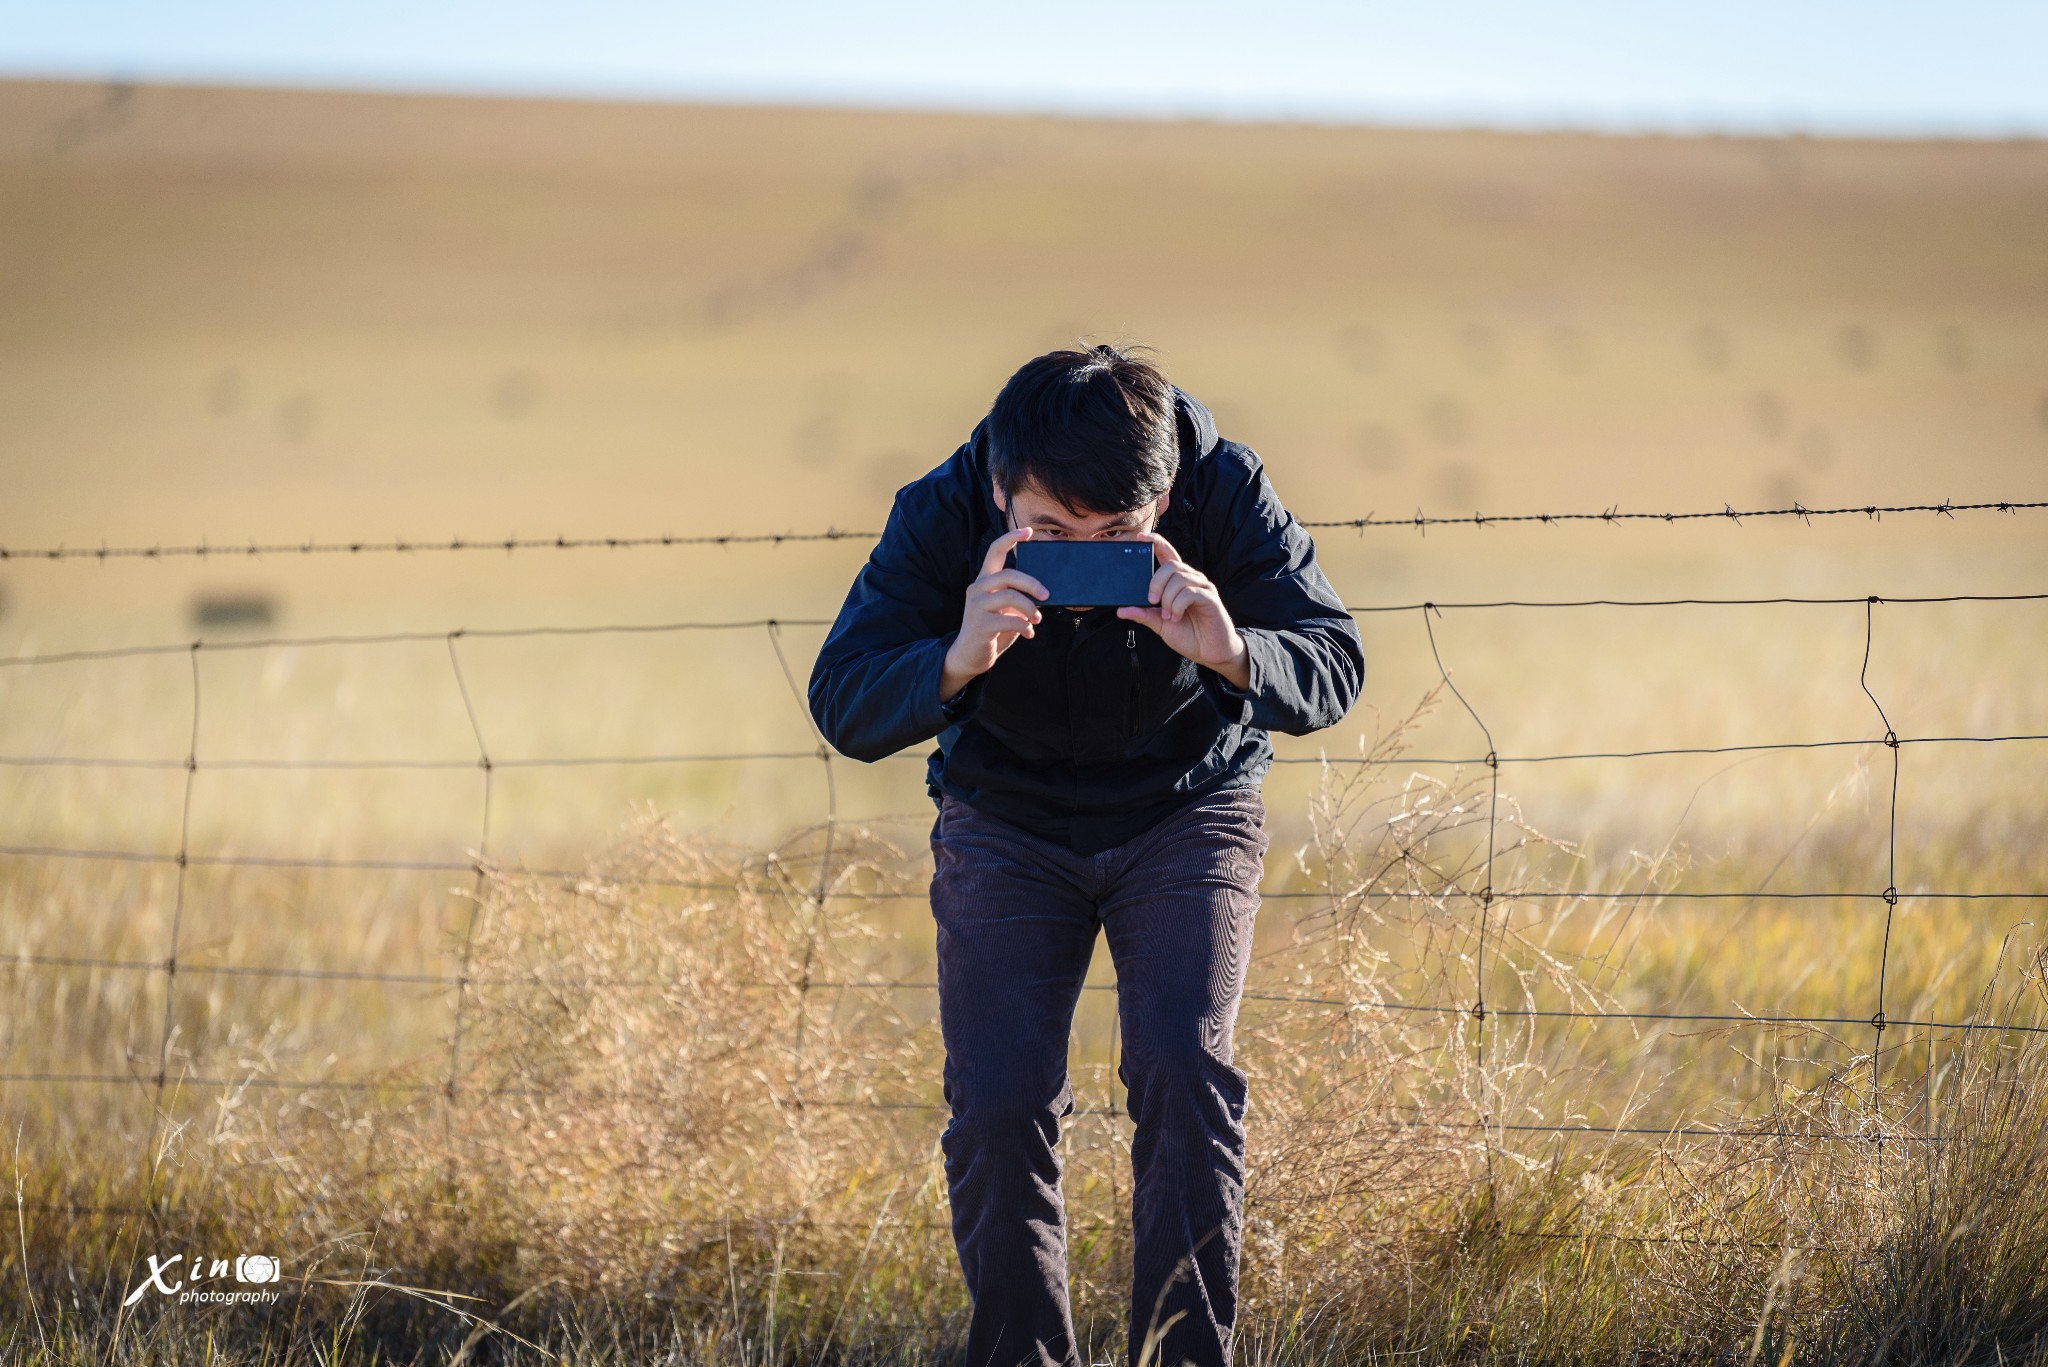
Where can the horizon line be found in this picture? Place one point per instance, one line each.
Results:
(1363, 115)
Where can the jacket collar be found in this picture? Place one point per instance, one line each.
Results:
(1198, 441)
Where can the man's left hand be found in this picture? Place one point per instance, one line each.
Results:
(1188, 614)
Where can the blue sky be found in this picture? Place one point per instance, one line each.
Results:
(1817, 65)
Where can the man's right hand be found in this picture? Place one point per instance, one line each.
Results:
(998, 610)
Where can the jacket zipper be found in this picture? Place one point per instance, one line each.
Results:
(1131, 643)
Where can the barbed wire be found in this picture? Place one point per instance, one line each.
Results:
(1726, 513)
(402, 546)
(481, 866)
(1612, 515)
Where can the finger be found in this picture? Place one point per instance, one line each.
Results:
(1014, 579)
(1180, 598)
(1163, 548)
(996, 624)
(1000, 547)
(1171, 577)
(1008, 624)
(1012, 603)
(1012, 626)
(1148, 616)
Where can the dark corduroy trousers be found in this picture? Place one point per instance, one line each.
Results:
(1017, 917)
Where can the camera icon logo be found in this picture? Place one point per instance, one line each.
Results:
(257, 1267)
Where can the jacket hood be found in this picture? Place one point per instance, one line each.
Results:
(1198, 441)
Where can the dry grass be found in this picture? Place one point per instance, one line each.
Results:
(680, 1134)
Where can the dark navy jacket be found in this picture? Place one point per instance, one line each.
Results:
(1093, 729)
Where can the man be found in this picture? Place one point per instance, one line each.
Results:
(1095, 768)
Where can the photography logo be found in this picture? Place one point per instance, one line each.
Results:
(180, 1276)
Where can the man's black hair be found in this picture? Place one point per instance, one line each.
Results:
(1093, 430)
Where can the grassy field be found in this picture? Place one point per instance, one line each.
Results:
(236, 315)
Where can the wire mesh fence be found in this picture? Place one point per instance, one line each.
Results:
(1488, 889)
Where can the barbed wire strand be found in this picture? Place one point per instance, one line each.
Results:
(1728, 513)
(401, 546)
(203, 549)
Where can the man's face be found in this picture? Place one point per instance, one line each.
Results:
(1050, 520)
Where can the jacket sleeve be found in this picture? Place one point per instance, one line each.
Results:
(875, 685)
(1307, 661)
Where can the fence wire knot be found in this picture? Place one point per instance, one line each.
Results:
(1891, 897)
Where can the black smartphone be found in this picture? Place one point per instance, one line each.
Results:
(1094, 574)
